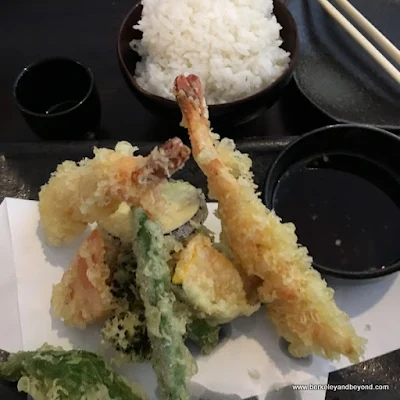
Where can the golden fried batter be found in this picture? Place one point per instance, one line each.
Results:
(78, 194)
(83, 296)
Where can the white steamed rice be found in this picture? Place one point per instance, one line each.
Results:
(232, 45)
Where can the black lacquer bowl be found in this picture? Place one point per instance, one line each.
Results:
(232, 113)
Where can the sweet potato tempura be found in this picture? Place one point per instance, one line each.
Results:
(211, 282)
(83, 297)
(89, 191)
(299, 303)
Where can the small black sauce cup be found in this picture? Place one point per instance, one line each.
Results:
(58, 99)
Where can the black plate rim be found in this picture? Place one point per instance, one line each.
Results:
(315, 103)
(350, 275)
(335, 117)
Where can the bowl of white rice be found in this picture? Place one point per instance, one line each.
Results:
(244, 52)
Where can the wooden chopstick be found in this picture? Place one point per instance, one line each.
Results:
(361, 40)
(374, 33)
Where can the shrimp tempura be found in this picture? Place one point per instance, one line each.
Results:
(299, 303)
(91, 190)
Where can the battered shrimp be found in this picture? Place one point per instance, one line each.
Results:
(299, 303)
(78, 194)
(83, 296)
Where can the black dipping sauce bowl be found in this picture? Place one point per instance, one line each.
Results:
(58, 99)
(340, 186)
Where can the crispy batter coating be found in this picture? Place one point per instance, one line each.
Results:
(299, 303)
(211, 282)
(119, 224)
(78, 194)
(83, 296)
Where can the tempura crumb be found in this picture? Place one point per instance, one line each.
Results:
(254, 373)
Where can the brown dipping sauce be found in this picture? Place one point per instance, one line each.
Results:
(346, 211)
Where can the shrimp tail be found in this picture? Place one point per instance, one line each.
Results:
(189, 94)
(163, 161)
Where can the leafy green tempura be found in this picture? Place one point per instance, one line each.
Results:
(170, 358)
(127, 333)
(51, 373)
(126, 329)
(122, 286)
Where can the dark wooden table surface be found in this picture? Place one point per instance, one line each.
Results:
(87, 31)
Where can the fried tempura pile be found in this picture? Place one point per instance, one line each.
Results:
(258, 259)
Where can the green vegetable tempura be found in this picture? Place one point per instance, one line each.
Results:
(170, 357)
(51, 373)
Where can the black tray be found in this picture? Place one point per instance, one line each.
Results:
(24, 167)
